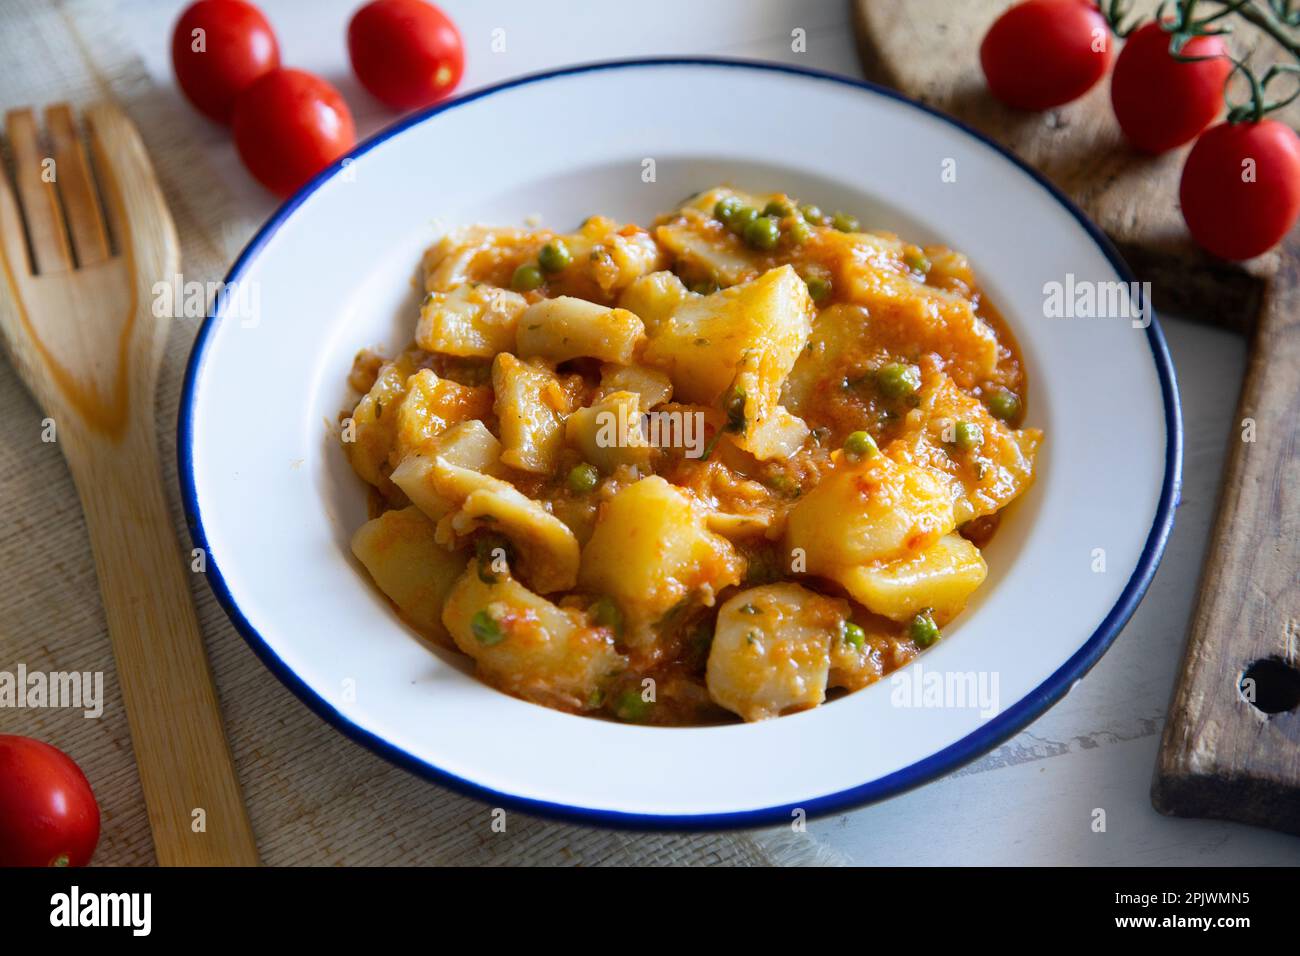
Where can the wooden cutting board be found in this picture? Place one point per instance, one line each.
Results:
(1221, 755)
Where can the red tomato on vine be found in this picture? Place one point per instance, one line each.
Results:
(1043, 53)
(1240, 190)
(1162, 102)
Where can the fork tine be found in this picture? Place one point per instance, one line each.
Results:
(37, 197)
(112, 159)
(13, 241)
(80, 205)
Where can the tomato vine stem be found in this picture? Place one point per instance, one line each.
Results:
(1184, 20)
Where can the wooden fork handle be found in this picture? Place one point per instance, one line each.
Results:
(1221, 756)
(186, 772)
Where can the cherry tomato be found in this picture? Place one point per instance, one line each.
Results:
(48, 814)
(235, 46)
(1043, 53)
(405, 52)
(290, 125)
(1240, 189)
(1161, 102)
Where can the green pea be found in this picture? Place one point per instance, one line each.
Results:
(784, 484)
(555, 256)
(583, 478)
(778, 209)
(700, 642)
(487, 549)
(844, 222)
(740, 218)
(725, 208)
(704, 287)
(854, 634)
(631, 707)
(918, 262)
(819, 289)
(762, 233)
(799, 232)
(734, 406)
(923, 630)
(860, 445)
(813, 214)
(605, 613)
(1004, 404)
(968, 436)
(896, 380)
(763, 568)
(485, 629)
(526, 278)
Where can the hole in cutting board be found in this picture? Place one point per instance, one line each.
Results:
(1270, 685)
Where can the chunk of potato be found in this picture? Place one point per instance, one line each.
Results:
(910, 317)
(775, 435)
(854, 666)
(652, 385)
(472, 320)
(651, 550)
(431, 406)
(531, 406)
(527, 646)
(941, 578)
(876, 509)
(701, 346)
(983, 479)
(468, 444)
(399, 551)
(950, 270)
(365, 370)
(739, 527)
(456, 483)
(704, 202)
(771, 650)
(703, 245)
(565, 328)
(472, 254)
(840, 343)
(609, 433)
(373, 426)
(764, 428)
(653, 298)
(618, 256)
(608, 256)
(546, 549)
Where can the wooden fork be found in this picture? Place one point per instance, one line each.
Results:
(77, 321)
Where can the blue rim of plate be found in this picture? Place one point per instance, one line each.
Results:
(997, 730)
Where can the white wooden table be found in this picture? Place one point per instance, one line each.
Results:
(1032, 800)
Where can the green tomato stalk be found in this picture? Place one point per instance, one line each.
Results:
(1184, 20)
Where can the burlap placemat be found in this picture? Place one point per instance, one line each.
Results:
(314, 796)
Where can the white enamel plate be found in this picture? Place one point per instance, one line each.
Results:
(269, 494)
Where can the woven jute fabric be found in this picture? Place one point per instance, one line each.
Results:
(314, 796)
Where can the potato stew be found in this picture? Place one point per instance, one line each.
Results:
(721, 467)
